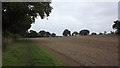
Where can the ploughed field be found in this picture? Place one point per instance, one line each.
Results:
(97, 50)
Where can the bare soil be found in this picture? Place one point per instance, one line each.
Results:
(99, 50)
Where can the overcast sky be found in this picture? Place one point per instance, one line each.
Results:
(75, 16)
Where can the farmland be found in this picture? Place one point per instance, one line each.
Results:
(98, 50)
(59, 34)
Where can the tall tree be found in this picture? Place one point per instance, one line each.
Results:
(66, 32)
(17, 17)
(116, 26)
(84, 32)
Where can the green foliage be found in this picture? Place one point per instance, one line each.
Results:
(17, 17)
(53, 35)
(33, 34)
(116, 26)
(66, 32)
(7, 34)
(6, 42)
(111, 32)
(42, 33)
(100, 33)
(84, 32)
(7, 39)
(27, 53)
(48, 34)
(75, 33)
(93, 33)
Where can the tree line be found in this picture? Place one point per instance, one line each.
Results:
(66, 32)
(33, 34)
(84, 32)
(17, 18)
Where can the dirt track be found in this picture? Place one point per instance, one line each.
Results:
(85, 50)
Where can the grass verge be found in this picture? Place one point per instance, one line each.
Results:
(27, 53)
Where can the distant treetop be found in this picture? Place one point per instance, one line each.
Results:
(116, 26)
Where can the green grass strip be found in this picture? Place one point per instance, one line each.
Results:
(27, 53)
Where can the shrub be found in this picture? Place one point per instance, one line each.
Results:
(6, 42)
(8, 38)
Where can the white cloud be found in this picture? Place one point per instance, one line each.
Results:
(94, 16)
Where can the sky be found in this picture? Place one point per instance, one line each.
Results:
(76, 16)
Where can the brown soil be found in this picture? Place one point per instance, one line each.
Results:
(99, 50)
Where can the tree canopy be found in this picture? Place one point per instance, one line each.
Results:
(84, 32)
(116, 26)
(42, 33)
(17, 17)
(53, 34)
(93, 33)
(66, 32)
(33, 34)
(75, 33)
